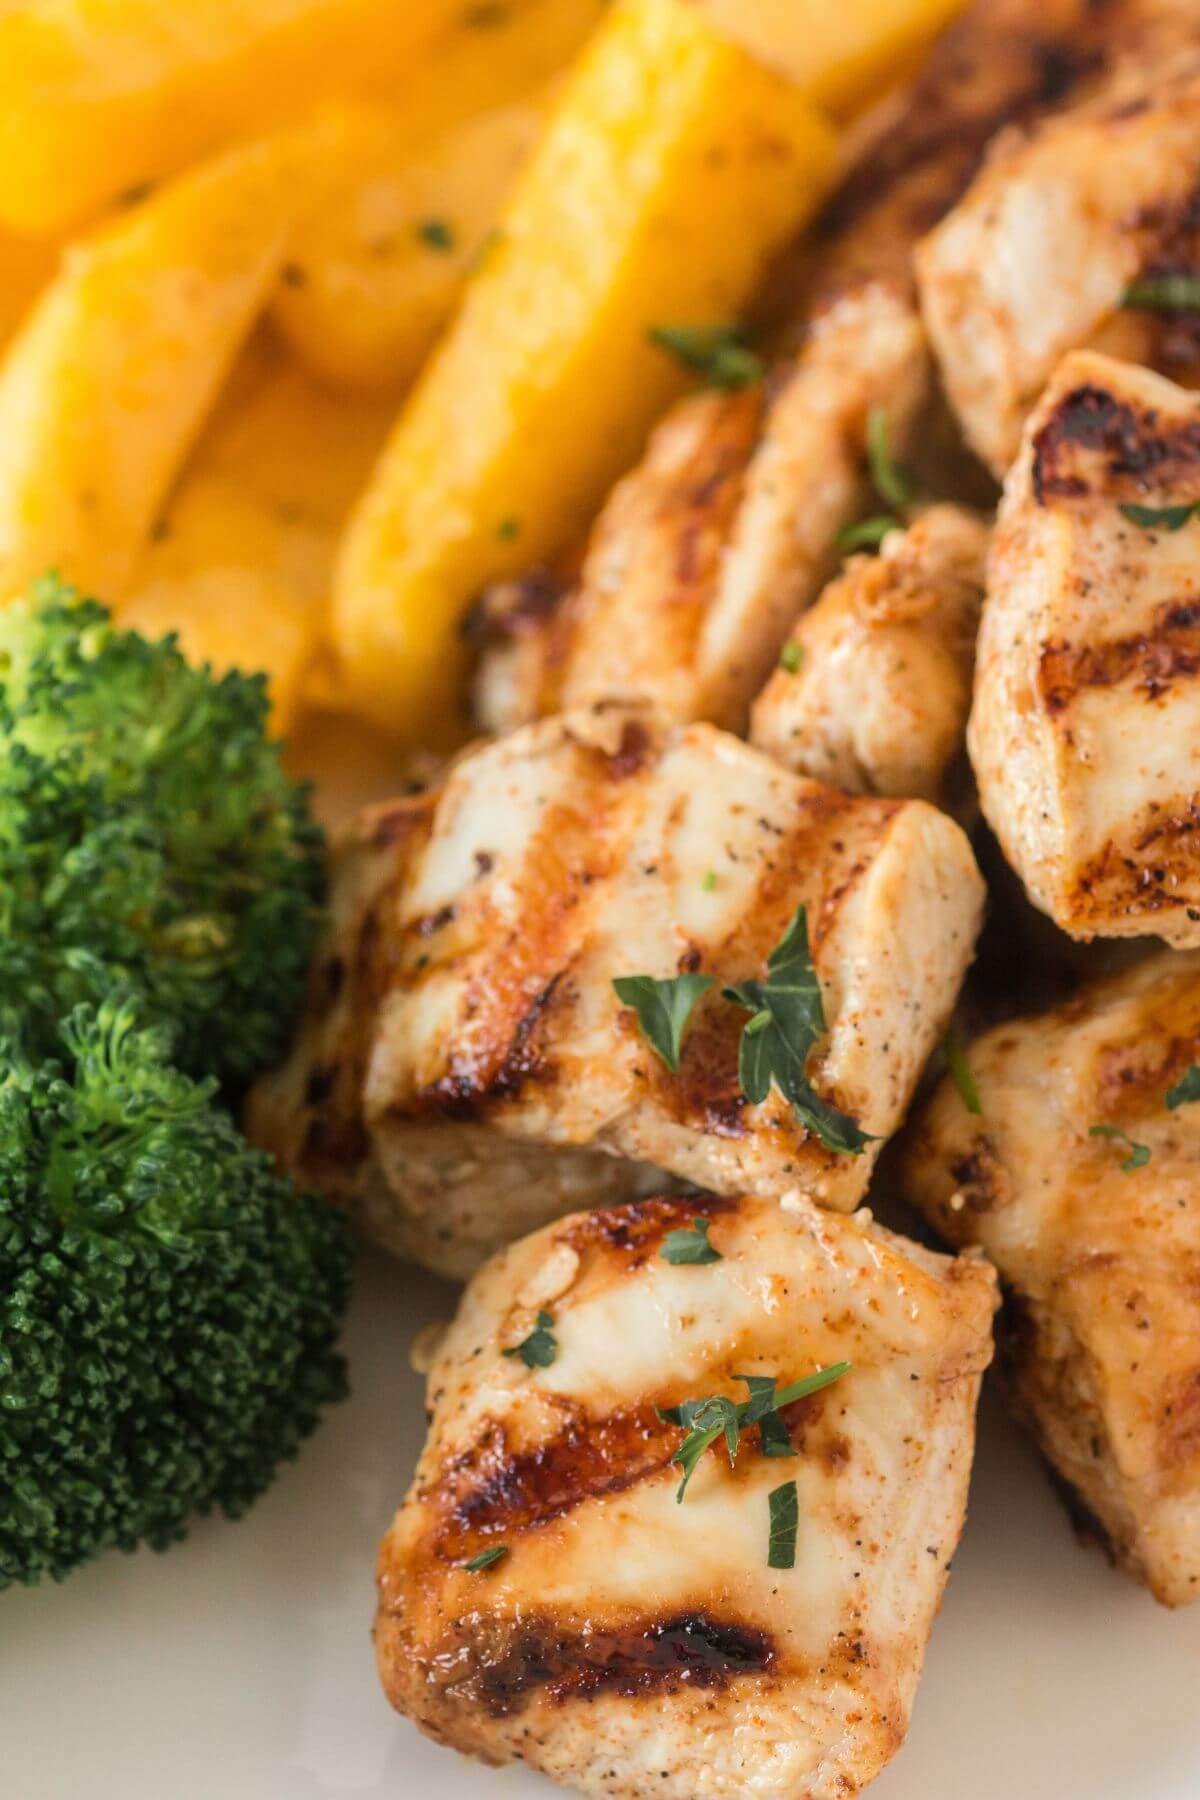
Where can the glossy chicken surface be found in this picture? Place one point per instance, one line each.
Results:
(705, 553)
(1085, 730)
(628, 1644)
(466, 1069)
(873, 696)
(1062, 222)
(1098, 1243)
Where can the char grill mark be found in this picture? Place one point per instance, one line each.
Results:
(1168, 652)
(492, 1489)
(1175, 336)
(945, 140)
(636, 1231)
(1120, 876)
(501, 1669)
(1095, 444)
(467, 1090)
(514, 609)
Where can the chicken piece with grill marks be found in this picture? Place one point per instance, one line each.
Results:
(874, 690)
(1064, 221)
(628, 1644)
(466, 1068)
(1082, 1184)
(1085, 728)
(724, 533)
(704, 554)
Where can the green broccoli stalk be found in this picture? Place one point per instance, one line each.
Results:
(148, 835)
(168, 1304)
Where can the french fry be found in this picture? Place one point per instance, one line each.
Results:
(241, 558)
(492, 53)
(97, 98)
(107, 383)
(672, 167)
(366, 290)
(26, 265)
(371, 279)
(228, 577)
(841, 53)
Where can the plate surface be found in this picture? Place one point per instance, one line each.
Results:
(239, 1666)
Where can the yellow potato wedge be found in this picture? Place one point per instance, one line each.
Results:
(228, 576)
(841, 53)
(673, 165)
(370, 281)
(365, 291)
(241, 558)
(292, 443)
(492, 53)
(107, 383)
(100, 96)
(26, 265)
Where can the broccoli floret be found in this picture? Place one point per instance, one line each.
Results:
(148, 835)
(168, 1304)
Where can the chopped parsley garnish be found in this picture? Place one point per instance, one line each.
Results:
(1164, 293)
(704, 1421)
(539, 1349)
(960, 1071)
(718, 352)
(689, 1244)
(436, 234)
(1168, 518)
(868, 534)
(663, 1008)
(787, 1018)
(715, 1416)
(508, 529)
(791, 656)
(485, 1559)
(891, 482)
(1139, 1154)
(784, 1505)
(1186, 1089)
(709, 880)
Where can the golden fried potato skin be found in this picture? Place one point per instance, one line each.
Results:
(110, 378)
(98, 99)
(671, 167)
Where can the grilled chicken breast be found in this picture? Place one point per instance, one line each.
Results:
(874, 692)
(1062, 222)
(466, 1064)
(705, 553)
(628, 1644)
(1085, 729)
(1098, 1243)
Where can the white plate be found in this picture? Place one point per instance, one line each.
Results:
(239, 1666)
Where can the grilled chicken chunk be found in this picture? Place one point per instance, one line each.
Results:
(628, 1644)
(705, 553)
(1085, 729)
(1098, 1243)
(1063, 219)
(465, 1064)
(874, 693)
